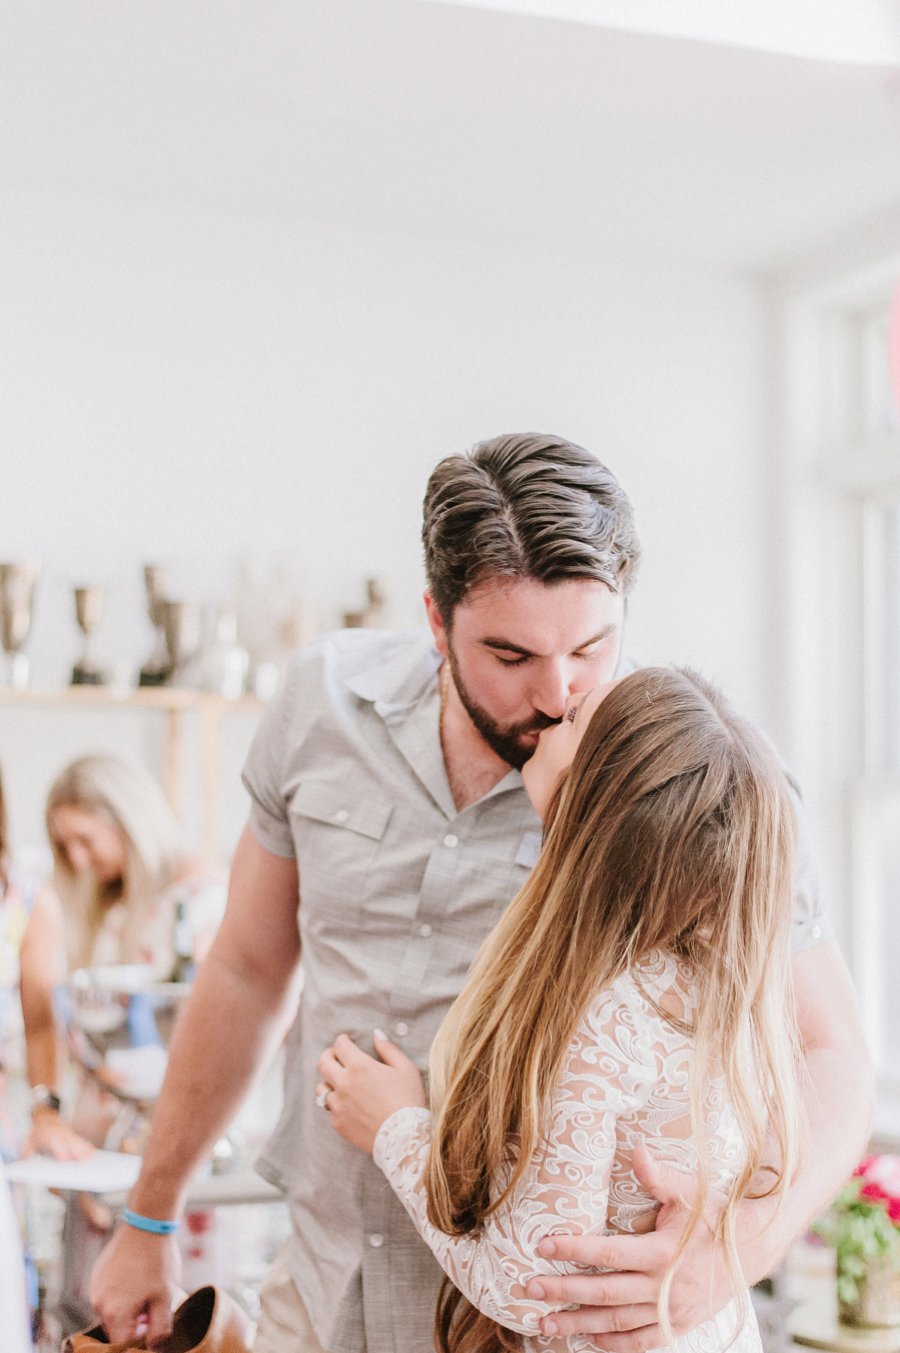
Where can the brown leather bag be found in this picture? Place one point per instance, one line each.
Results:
(89, 1340)
(207, 1322)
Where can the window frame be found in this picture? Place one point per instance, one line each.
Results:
(840, 471)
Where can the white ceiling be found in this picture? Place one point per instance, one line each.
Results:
(399, 114)
(866, 31)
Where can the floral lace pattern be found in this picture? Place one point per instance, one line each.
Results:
(625, 1082)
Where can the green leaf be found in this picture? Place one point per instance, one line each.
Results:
(847, 1290)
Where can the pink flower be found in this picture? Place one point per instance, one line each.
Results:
(884, 1171)
(863, 1166)
(894, 1210)
(873, 1193)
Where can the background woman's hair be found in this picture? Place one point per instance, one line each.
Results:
(525, 506)
(673, 831)
(125, 794)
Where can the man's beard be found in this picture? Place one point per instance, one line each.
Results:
(506, 742)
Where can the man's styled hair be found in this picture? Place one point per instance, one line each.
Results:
(525, 505)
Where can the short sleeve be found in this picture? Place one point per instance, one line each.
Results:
(262, 778)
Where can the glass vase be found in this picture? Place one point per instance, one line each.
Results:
(877, 1305)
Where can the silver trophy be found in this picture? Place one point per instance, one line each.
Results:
(183, 630)
(158, 667)
(17, 585)
(372, 614)
(89, 603)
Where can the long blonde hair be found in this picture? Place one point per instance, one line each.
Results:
(673, 830)
(125, 794)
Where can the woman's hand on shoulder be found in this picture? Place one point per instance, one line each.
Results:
(360, 1092)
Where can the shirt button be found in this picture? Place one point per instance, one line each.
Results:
(425, 931)
(816, 932)
(401, 1029)
(451, 840)
(341, 815)
(376, 1241)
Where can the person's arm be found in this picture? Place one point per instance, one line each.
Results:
(838, 1097)
(232, 1021)
(41, 968)
(565, 1185)
(492, 1265)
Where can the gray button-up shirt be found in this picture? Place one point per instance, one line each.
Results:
(398, 890)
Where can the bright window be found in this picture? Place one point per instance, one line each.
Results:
(859, 463)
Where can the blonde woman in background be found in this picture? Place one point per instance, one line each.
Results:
(123, 874)
(122, 867)
(636, 994)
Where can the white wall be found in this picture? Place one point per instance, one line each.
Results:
(203, 387)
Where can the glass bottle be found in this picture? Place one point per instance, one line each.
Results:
(183, 965)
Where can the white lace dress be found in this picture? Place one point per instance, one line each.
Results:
(625, 1082)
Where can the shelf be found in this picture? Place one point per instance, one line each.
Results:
(141, 697)
(175, 704)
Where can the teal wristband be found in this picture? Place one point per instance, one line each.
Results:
(156, 1228)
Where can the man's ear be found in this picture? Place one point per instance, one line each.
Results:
(438, 628)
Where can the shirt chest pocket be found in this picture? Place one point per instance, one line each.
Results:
(485, 883)
(337, 833)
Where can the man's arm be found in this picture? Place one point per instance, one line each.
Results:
(231, 1023)
(839, 1099)
(838, 1096)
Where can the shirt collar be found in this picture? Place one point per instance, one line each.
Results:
(392, 675)
(400, 680)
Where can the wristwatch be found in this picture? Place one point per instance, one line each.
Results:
(42, 1097)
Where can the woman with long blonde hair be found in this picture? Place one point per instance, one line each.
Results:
(636, 993)
(121, 867)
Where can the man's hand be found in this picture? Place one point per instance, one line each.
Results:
(142, 1288)
(621, 1305)
(360, 1092)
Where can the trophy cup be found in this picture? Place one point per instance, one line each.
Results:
(88, 612)
(158, 668)
(182, 627)
(17, 584)
(372, 613)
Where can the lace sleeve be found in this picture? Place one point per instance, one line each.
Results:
(609, 1070)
